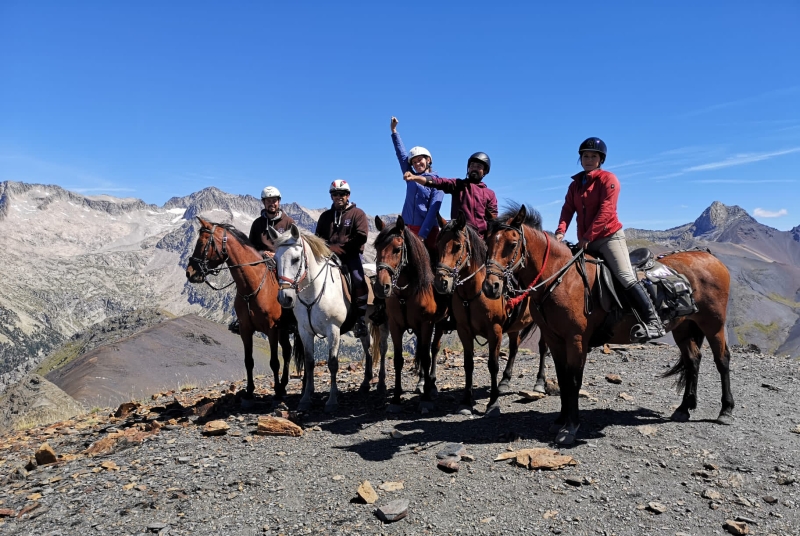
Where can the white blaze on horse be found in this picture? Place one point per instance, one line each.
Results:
(311, 283)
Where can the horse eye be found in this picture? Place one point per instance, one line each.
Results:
(457, 247)
(295, 261)
(396, 250)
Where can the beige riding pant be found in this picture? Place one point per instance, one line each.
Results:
(614, 251)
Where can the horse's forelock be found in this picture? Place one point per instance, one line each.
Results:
(533, 218)
(479, 249)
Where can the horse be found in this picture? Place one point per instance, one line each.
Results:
(310, 277)
(460, 273)
(405, 280)
(561, 297)
(256, 302)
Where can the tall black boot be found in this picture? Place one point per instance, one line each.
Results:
(360, 328)
(651, 326)
(378, 315)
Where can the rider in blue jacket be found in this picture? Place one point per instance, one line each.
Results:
(421, 206)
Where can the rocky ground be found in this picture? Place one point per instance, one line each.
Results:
(152, 470)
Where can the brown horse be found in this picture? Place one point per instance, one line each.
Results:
(405, 280)
(460, 273)
(256, 302)
(560, 300)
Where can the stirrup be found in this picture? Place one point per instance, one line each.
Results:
(233, 327)
(645, 332)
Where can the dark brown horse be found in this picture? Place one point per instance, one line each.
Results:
(460, 273)
(256, 302)
(405, 280)
(559, 306)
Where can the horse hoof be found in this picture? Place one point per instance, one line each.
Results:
(425, 406)
(434, 392)
(680, 415)
(330, 408)
(394, 408)
(566, 436)
(304, 406)
(555, 427)
(504, 388)
(493, 411)
(725, 418)
(539, 388)
(419, 389)
(381, 389)
(465, 410)
(364, 389)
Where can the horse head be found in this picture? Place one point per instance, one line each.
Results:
(507, 248)
(455, 252)
(210, 251)
(292, 264)
(391, 256)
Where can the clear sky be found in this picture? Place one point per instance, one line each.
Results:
(697, 101)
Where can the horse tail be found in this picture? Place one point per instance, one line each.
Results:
(375, 346)
(694, 340)
(298, 354)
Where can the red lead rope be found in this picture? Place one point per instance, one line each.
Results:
(513, 302)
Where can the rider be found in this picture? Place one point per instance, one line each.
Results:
(470, 195)
(593, 196)
(345, 228)
(271, 216)
(421, 207)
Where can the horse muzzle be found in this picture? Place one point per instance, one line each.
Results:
(443, 285)
(382, 290)
(193, 275)
(492, 288)
(287, 298)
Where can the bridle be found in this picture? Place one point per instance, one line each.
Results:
(302, 271)
(221, 256)
(506, 273)
(394, 273)
(454, 272)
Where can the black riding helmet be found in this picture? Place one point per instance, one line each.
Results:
(594, 144)
(484, 159)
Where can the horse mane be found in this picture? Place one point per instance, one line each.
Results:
(532, 219)
(239, 235)
(419, 263)
(479, 249)
(318, 246)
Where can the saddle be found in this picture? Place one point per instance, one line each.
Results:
(669, 290)
(348, 292)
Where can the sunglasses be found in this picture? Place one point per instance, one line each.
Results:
(339, 194)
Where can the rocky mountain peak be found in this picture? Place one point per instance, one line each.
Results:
(718, 217)
(212, 198)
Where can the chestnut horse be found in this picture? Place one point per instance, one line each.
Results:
(405, 280)
(559, 302)
(460, 273)
(256, 302)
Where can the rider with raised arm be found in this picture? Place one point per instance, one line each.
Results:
(345, 228)
(470, 195)
(421, 206)
(593, 195)
(272, 216)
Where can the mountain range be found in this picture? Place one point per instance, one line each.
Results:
(72, 262)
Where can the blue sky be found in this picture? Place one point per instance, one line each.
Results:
(697, 101)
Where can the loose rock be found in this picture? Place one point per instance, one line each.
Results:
(367, 492)
(736, 527)
(216, 428)
(277, 426)
(394, 511)
(451, 450)
(613, 378)
(46, 455)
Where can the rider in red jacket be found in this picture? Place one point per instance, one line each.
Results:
(593, 197)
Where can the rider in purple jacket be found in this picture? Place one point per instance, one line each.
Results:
(421, 206)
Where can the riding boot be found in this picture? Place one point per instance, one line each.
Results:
(360, 328)
(378, 316)
(233, 327)
(651, 326)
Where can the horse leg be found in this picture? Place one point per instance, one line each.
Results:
(560, 362)
(286, 352)
(397, 343)
(308, 372)
(274, 361)
(246, 333)
(436, 345)
(365, 345)
(333, 366)
(722, 358)
(508, 372)
(495, 339)
(573, 372)
(540, 377)
(384, 348)
(467, 401)
(424, 359)
(687, 335)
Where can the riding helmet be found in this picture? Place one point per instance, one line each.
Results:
(339, 185)
(483, 158)
(270, 191)
(419, 151)
(594, 144)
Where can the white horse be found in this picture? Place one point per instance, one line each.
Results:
(311, 284)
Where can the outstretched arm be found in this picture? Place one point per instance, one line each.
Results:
(399, 148)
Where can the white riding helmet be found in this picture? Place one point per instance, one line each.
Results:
(270, 191)
(419, 151)
(339, 185)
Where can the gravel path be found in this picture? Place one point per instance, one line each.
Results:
(638, 473)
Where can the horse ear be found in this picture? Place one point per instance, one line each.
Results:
(461, 221)
(379, 223)
(401, 223)
(522, 213)
(203, 222)
(295, 231)
(272, 233)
